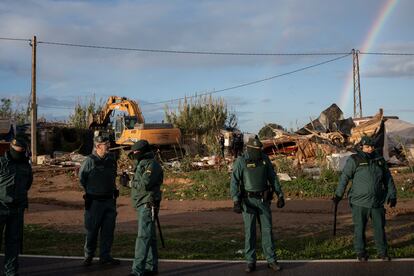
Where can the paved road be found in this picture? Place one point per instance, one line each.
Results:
(63, 266)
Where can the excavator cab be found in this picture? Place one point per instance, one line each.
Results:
(130, 121)
(122, 123)
(119, 127)
(131, 127)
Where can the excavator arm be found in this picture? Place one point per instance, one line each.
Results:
(129, 129)
(102, 118)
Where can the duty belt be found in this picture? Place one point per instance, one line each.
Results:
(255, 194)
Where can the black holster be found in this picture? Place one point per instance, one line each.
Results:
(268, 195)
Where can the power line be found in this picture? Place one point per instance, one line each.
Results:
(189, 52)
(202, 52)
(15, 39)
(232, 87)
(253, 82)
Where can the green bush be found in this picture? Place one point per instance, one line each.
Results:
(204, 184)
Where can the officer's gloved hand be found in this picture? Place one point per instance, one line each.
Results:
(280, 202)
(237, 208)
(392, 202)
(336, 199)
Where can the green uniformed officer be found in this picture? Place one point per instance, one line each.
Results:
(97, 177)
(252, 186)
(15, 180)
(146, 198)
(372, 186)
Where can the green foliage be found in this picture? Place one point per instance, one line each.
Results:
(225, 243)
(186, 163)
(205, 184)
(405, 186)
(203, 118)
(214, 185)
(285, 165)
(305, 187)
(5, 107)
(18, 114)
(79, 118)
(267, 132)
(329, 176)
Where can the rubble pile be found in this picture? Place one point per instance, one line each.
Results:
(61, 159)
(329, 140)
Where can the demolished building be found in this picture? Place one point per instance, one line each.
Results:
(331, 134)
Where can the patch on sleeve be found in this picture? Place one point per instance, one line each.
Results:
(148, 172)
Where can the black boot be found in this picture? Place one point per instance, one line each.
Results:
(362, 257)
(109, 261)
(87, 261)
(250, 267)
(274, 266)
(385, 257)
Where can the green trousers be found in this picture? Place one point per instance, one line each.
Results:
(254, 209)
(11, 222)
(100, 219)
(360, 216)
(146, 253)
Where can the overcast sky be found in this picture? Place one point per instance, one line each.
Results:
(70, 74)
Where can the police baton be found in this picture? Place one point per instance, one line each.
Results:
(154, 217)
(160, 232)
(335, 215)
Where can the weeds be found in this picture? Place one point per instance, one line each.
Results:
(206, 243)
(285, 165)
(304, 187)
(205, 184)
(202, 118)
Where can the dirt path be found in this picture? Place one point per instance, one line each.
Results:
(56, 200)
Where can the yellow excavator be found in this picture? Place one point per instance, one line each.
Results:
(129, 128)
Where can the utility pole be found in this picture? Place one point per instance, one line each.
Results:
(33, 138)
(357, 88)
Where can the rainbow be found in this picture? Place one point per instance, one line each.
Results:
(375, 29)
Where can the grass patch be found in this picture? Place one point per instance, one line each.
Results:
(225, 243)
(215, 185)
(203, 184)
(307, 187)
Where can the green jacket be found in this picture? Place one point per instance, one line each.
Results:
(147, 180)
(15, 181)
(372, 183)
(253, 176)
(97, 175)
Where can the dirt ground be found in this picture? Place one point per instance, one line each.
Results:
(56, 200)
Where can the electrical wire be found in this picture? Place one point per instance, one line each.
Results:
(203, 52)
(343, 55)
(15, 39)
(252, 82)
(188, 52)
(232, 87)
